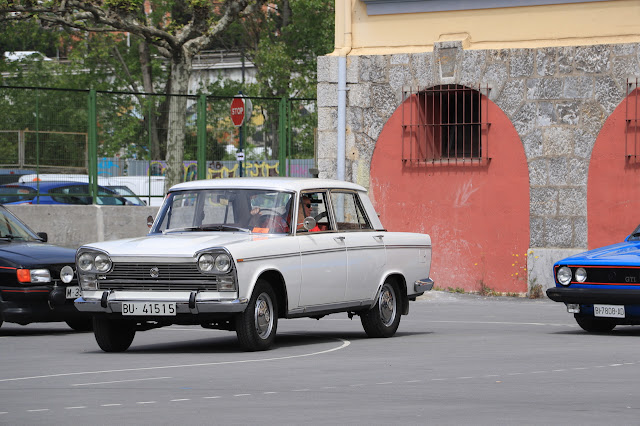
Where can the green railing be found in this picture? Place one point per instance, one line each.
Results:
(100, 137)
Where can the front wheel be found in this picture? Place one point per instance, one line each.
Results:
(594, 325)
(256, 326)
(384, 318)
(113, 335)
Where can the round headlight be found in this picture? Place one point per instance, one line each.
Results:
(581, 275)
(66, 274)
(103, 263)
(223, 263)
(564, 275)
(205, 263)
(85, 262)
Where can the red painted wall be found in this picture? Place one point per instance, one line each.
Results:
(613, 186)
(477, 216)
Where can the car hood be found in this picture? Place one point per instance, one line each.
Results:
(626, 253)
(31, 254)
(179, 244)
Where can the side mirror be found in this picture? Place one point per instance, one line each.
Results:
(150, 221)
(309, 223)
(43, 236)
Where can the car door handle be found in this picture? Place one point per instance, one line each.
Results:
(378, 236)
(340, 239)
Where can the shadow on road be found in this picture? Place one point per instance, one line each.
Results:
(228, 343)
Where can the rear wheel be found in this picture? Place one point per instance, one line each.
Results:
(81, 324)
(593, 324)
(384, 318)
(113, 335)
(256, 326)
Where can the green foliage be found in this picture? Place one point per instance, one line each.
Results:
(283, 40)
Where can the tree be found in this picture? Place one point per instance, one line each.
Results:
(178, 29)
(284, 45)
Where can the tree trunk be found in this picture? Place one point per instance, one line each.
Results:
(147, 81)
(180, 73)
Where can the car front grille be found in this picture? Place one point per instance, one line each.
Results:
(627, 276)
(156, 276)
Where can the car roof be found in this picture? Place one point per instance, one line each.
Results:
(44, 185)
(277, 183)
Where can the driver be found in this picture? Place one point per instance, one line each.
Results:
(305, 211)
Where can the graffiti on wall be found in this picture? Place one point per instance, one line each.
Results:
(218, 169)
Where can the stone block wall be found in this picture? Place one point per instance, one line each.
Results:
(557, 98)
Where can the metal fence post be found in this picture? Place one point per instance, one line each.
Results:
(282, 137)
(93, 145)
(201, 155)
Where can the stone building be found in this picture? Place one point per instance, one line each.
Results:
(508, 132)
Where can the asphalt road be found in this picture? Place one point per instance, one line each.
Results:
(456, 359)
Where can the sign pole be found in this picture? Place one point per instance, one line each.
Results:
(240, 112)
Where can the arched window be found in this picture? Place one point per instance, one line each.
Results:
(444, 123)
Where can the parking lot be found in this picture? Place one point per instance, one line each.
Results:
(456, 359)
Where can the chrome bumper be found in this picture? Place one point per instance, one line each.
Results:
(186, 302)
(422, 285)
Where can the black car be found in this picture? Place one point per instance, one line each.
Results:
(37, 280)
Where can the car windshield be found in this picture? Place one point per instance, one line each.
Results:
(245, 210)
(635, 235)
(127, 194)
(11, 228)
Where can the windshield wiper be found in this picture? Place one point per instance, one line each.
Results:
(208, 228)
(11, 237)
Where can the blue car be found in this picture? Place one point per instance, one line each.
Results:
(601, 287)
(62, 193)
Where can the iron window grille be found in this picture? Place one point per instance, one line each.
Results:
(445, 124)
(632, 121)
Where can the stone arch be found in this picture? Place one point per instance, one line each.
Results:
(477, 215)
(613, 183)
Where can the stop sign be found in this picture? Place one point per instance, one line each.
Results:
(237, 111)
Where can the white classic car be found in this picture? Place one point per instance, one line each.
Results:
(240, 253)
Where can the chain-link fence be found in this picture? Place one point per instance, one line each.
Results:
(117, 147)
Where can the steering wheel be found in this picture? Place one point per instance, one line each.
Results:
(274, 222)
(320, 216)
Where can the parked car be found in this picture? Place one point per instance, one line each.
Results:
(37, 280)
(240, 253)
(63, 193)
(601, 287)
(148, 188)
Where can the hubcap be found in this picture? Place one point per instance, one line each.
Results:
(264, 316)
(387, 305)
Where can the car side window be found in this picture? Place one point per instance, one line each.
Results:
(106, 197)
(72, 194)
(313, 204)
(349, 212)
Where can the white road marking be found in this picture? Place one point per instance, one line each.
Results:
(344, 344)
(504, 323)
(120, 381)
(487, 376)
